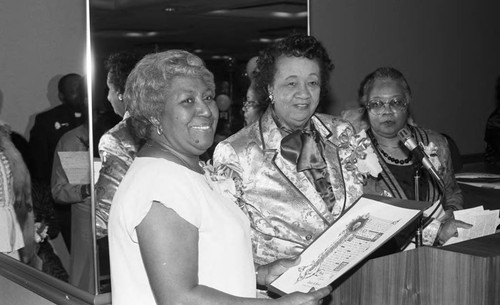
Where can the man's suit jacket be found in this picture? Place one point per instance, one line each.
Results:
(48, 129)
(285, 210)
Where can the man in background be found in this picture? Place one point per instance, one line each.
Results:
(49, 126)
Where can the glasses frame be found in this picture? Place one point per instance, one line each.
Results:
(390, 102)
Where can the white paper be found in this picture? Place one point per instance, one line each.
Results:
(76, 165)
(359, 232)
(484, 222)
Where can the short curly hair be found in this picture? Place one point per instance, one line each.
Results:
(149, 83)
(295, 45)
(118, 65)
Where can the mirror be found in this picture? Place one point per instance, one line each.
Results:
(36, 54)
(224, 33)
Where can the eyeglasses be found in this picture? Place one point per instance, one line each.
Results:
(377, 106)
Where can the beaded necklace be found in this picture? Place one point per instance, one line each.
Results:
(385, 154)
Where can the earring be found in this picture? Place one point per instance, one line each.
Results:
(271, 98)
(120, 97)
(159, 130)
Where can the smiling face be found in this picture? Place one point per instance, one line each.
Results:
(190, 116)
(390, 121)
(296, 90)
(115, 97)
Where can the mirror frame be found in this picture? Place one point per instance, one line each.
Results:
(47, 286)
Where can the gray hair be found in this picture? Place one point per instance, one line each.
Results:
(380, 74)
(149, 83)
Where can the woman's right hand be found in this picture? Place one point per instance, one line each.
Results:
(311, 298)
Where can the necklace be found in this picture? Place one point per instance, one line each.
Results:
(175, 155)
(386, 155)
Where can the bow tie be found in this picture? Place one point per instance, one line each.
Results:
(303, 148)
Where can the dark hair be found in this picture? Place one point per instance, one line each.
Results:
(119, 66)
(295, 45)
(382, 73)
(63, 81)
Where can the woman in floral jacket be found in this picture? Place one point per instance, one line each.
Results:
(297, 170)
(386, 96)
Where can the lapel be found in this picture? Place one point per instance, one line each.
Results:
(433, 192)
(391, 183)
(271, 141)
(331, 154)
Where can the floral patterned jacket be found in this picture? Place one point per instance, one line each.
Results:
(285, 210)
(117, 148)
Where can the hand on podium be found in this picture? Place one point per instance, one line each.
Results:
(449, 226)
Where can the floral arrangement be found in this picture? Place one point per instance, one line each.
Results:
(41, 231)
(357, 155)
(431, 151)
(225, 180)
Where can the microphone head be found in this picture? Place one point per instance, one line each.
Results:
(404, 134)
(407, 138)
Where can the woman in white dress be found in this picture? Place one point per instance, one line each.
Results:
(173, 238)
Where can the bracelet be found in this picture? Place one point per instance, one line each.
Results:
(438, 242)
(85, 190)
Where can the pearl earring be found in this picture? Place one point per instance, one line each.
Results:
(271, 98)
(159, 130)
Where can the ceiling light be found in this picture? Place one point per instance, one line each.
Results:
(141, 34)
(169, 9)
(219, 12)
(281, 14)
(289, 15)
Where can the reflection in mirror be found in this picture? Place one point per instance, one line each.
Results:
(224, 33)
(41, 97)
(60, 172)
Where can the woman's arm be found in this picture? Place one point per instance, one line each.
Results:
(172, 264)
(454, 197)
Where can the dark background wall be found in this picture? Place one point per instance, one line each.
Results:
(449, 51)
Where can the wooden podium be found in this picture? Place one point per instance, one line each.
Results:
(463, 273)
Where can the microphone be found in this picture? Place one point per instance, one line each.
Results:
(410, 143)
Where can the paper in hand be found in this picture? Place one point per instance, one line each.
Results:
(76, 165)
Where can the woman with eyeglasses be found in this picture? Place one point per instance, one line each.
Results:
(386, 98)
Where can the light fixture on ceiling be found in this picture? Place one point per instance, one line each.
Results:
(141, 34)
(219, 12)
(169, 9)
(289, 15)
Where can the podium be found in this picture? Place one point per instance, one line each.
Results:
(462, 273)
